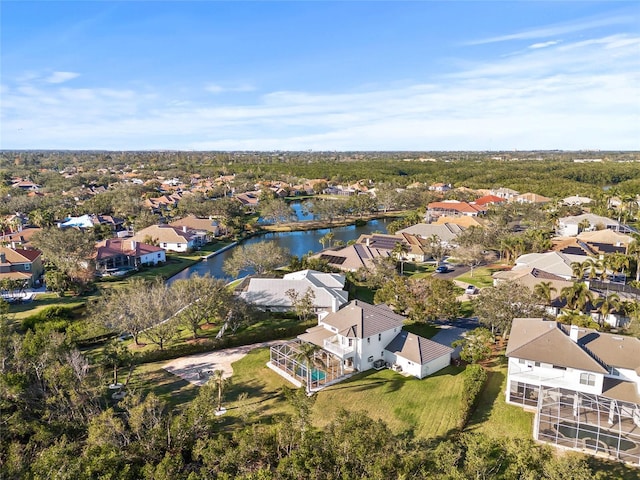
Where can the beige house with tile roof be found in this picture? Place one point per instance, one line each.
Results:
(170, 238)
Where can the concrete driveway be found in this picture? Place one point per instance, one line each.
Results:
(454, 330)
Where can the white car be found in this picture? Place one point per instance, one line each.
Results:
(470, 290)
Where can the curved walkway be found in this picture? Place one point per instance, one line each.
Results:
(197, 369)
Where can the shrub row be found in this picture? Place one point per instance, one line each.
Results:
(58, 316)
(474, 378)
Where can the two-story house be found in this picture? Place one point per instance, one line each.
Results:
(584, 386)
(21, 265)
(356, 338)
(171, 238)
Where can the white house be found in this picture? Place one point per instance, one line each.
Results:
(270, 293)
(356, 338)
(171, 238)
(556, 263)
(583, 384)
(571, 226)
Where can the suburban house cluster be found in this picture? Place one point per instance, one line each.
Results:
(356, 338)
(583, 385)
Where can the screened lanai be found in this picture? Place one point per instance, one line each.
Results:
(593, 423)
(325, 368)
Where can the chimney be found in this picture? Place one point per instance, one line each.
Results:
(368, 241)
(134, 245)
(184, 228)
(573, 333)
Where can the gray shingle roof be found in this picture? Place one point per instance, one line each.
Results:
(361, 320)
(417, 349)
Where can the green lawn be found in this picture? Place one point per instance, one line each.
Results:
(364, 293)
(42, 301)
(429, 407)
(151, 377)
(493, 416)
(481, 277)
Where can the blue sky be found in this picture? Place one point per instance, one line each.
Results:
(236, 75)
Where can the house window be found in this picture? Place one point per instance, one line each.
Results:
(370, 359)
(537, 364)
(159, 255)
(27, 266)
(164, 245)
(368, 340)
(379, 337)
(558, 367)
(351, 342)
(521, 360)
(381, 354)
(587, 379)
(614, 371)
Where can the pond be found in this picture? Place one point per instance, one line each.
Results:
(297, 243)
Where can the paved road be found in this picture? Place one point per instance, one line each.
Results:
(452, 331)
(456, 272)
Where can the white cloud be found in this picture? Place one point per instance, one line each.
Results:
(572, 95)
(543, 44)
(217, 89)
(61, 77)
(558, 29)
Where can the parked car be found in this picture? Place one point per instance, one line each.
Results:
(470, 290)
(443, 269)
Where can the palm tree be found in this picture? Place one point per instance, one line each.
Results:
(633, 252)
(220, 382)
(607, 305)
(307, 356)
(399, 251)
(543, 291)
(579, 269)
(327, 238)
(577, 296)
(617, 261)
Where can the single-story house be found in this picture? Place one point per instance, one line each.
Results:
(270, 294)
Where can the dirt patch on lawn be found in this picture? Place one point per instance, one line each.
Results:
(197, 369)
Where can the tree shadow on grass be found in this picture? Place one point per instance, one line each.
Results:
(488, 396)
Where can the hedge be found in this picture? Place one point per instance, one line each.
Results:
(474, 378)
(58, 315)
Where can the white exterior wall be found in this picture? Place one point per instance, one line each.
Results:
(372, 348)
(408, 367)
(176, 247)
(152, 258)
(568, 230)
(546, 375)
(433, 366)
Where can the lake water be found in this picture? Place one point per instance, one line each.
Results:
(297, 243)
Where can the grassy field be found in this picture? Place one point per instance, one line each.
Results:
(428, 408)
(151, 377)
(482, 276)
(493, 417)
